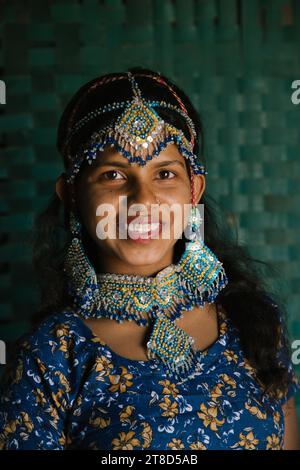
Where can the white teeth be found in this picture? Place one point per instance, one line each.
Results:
(143, 228)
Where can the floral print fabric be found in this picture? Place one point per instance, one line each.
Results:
(68, 390)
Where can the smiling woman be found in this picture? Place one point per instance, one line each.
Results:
(144, 341)
(107, 180)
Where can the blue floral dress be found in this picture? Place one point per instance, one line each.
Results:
(68, 390)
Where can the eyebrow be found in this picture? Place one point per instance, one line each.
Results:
(126, 165)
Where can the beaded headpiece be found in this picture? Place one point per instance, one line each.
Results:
(139, 133)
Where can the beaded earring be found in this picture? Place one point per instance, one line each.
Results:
(81, 275)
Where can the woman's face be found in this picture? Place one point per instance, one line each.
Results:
(149, 234)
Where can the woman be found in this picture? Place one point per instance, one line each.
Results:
(150, 336)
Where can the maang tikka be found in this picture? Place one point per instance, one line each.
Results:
(157, 300)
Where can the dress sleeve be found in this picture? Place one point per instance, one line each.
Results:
(32, 402)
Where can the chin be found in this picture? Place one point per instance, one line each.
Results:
(139, 254)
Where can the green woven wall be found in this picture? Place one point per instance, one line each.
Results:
(236, 59)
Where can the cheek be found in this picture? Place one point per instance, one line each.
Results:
(95, 206)
(183, 188)
(177, 203)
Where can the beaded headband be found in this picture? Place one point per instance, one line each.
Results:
(139, 133)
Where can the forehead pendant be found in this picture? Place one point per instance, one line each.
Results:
(141, 127)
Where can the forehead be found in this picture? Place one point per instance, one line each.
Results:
(169, 153)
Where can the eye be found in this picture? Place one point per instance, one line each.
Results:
(163, 172)
(110, 175)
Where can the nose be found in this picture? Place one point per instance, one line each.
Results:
(142, 193)
(142, 200)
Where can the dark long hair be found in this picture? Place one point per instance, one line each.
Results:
(246, 299)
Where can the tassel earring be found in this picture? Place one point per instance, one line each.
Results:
(194, 223)
(82, 278)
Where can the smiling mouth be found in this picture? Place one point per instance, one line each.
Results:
(143, 228)
(144, 231)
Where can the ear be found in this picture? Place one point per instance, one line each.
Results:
(61, 189)
(199, 186)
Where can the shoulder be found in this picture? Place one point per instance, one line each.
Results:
(61, 326)
(41, 382)
(60, 342)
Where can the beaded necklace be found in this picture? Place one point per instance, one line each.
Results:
(196, 279)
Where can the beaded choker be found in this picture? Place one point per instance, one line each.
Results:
(197, 278)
